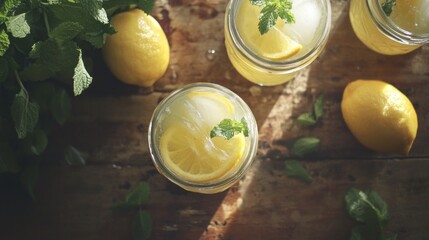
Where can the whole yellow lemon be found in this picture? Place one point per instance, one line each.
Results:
(380, 116)
(138, 53)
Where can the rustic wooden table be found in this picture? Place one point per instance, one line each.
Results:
(110, 124)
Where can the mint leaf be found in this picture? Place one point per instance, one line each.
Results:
(271, 10)
(8, 161)
(257, 2)
(4, 42)
(305, 145)
(18, 26)
(5, 8)
(66, 30)
(378, 205)
(142, 226)
(387, 6)
(318, 107)
(267, 19)
(49, 54)
(357, 233)
(370, 211)
(95, 9)
(228, 128)
(81, 78)
(61, 106)
(35, 143)
(294, 168)
(93, 30)
(36, 72)
(145, 5)
(4, 69)
(356, 204)
(25, 114)
(307, 119)
(137, 197)
(73, 156)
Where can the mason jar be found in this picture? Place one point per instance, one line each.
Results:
(311, 29)
(404, 30)
(181, 123)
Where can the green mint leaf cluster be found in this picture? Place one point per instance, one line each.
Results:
(142, 224)
(271, 11)
(370, 212)
(387, 6)
(45, 57)
(311, 118)
(296, 169)
(228, 128)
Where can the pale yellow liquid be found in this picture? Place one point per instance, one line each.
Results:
(250, 71)
(368, 32)
(267, 77)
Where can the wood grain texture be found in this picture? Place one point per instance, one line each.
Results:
(110, 123)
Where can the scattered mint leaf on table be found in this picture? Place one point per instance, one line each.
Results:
(137, 197)
(307, 119)
(305, 145)
(318, 107)
(142, 226)
(311, 118)
(271, 11)
(228, 128)
(370, 211)
(294, 168)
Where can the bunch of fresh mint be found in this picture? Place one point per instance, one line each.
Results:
(43, 57)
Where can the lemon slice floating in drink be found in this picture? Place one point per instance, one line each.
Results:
(188, 156)
(274, 45)
(186, 147)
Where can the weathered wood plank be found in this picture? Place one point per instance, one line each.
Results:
(75, 203)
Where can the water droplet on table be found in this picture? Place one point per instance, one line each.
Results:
(211, 54)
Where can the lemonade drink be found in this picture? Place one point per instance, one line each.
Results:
(180, 142)
(277, 56)
(404, 30)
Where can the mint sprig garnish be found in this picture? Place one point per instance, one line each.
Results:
(228, 128)
(387, 6)
(271, 11)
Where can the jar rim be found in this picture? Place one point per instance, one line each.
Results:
(207, 187)
(389, 27)
(292, 64)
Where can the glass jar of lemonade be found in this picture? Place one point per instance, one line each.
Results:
(391, 30)
(185, 143)
(278, 55)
